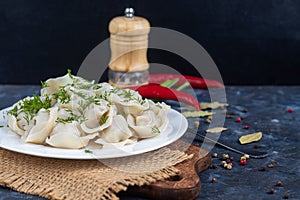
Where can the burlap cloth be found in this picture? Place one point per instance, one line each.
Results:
(85, 179)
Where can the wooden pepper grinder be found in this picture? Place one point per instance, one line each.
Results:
(128, 43)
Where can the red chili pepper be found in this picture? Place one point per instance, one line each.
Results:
(157, 91)
(194, 81)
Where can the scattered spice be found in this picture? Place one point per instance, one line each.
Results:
(243, 158)
(225, 156)
(213, 180)
(245, 110)
(262, 168)
(286, 196)
(246, 127)
(271, 165)
(196, 145)
(232, 113)
(216, 130)
(238, 120)
(245, 139)
(212, 105)
(223, 163)
(215, 155)
(243, 162)
(278, 183)
(196, 124)
(229, 116)
(208, 120)
(246, 156)
(197, 114)
(214, 166)
(229, 166)
(290, 110)
(271, 191)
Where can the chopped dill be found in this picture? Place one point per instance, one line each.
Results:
(88, 151)
(70, 73)
(155, 129)
(62, 95)
(103, 119)
(44, 84)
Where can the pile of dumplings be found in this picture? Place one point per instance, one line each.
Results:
(78, 111)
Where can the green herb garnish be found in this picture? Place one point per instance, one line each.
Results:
(88, 151)
(103, 119)
(44, 84)
(70, 73)
(155, 129)
(1, 126)
(62, 95)
(13, 111)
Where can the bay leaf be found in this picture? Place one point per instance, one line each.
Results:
(212, 105)
(197, 114)
(245, 139)
(216, 130)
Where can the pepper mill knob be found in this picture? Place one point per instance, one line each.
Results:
(128, 43)
(129, 12)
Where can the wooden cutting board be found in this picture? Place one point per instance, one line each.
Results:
(185, 185)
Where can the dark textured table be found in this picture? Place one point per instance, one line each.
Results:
(267, 112)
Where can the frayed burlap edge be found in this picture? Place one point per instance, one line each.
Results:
(44, 188)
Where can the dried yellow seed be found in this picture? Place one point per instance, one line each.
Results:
(246, 156)
(196, 124)
(243, 158)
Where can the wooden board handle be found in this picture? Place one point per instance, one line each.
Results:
(185, 185)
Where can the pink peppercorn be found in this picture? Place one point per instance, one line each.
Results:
(290, 110)
(246, 127)
(238, 120)
(243, 162)
(213, 180)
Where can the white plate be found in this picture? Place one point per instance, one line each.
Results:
(11, 141)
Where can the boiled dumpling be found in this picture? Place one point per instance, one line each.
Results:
(131, 105)
(68, 136)
(116, 144)
(54, 84)
(44, 122)
(151, 122)
(118, 131)
(14, 126)
(99, 117)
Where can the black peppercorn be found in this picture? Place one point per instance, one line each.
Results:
(286, 196)
(278, 183)
(214, 166)
(271, 191)
(262, 168)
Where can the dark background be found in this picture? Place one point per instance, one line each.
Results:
(251, 41)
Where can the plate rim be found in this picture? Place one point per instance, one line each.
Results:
(87, 156)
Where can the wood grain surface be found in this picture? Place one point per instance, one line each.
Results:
(185, 185)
